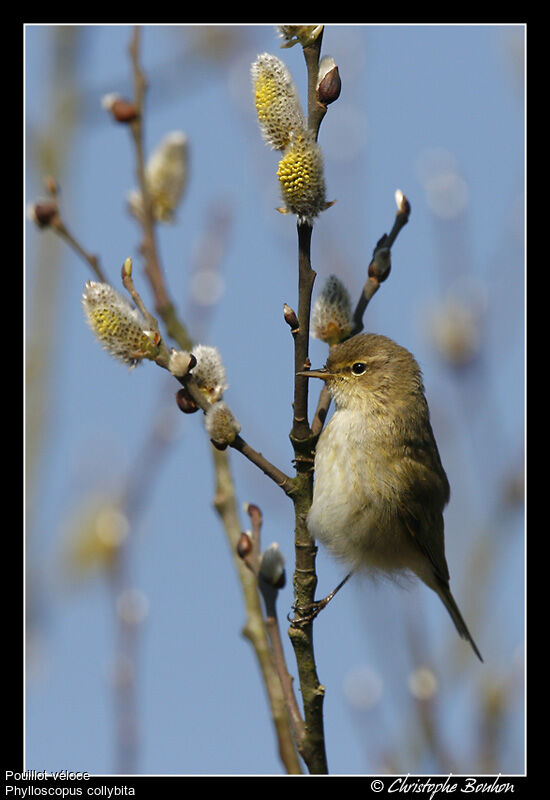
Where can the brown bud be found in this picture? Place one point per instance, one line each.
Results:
(186, 402)
(124, 111)
(43, 213)
(244, 545)
(330, 87)
(380, 265)
(290, 317)
(254, 512)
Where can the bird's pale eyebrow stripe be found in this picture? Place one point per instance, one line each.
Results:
(368, 360)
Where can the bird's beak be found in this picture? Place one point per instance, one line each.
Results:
(322, 373)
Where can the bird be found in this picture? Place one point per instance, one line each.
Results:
(380, 488)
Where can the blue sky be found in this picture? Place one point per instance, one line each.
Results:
(436, 111)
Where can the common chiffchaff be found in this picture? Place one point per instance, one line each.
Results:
(380, 488)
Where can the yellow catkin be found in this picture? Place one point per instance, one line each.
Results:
(120, 328)
(301, 178)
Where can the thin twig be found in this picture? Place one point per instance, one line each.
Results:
(287, 683)
(128, 283)
(377, 275)
(254, 629)
(163, 305)
(378, 271)
(59, 227)
(269, 595)
(285, 482)
(149, 243)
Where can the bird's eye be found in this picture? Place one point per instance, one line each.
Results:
(358, 368)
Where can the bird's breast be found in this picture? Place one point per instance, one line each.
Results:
(342, 487)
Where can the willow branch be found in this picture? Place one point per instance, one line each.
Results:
(282, 480)
(286, 680)
(92, 260)
(149, 248)
(47, 215)
(254, 629)
(306, 279)
(269, 592)
(312, 746)
(285, 482)
(380, 265)
(315, 110)
(378, 270)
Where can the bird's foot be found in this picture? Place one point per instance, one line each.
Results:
(304, 615)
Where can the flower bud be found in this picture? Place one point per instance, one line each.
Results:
(166, 176)
(301, 178)
(272, 566)
(209, 372)
(277, 102)
(118, 326)
(121, 110)
(244, 545)
(402, 203)
(332, 317)
(185, 402)
(290, 318)
(329, 84)
(220, 423)
(380, 265)
(181, 362)
(42, 213)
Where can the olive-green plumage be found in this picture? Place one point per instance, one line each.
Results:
(380, 488)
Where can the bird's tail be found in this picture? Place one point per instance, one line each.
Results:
(445, 593)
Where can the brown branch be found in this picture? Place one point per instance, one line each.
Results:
(380, 265)
(315, 110)
(148, 244)
(321, 411)
(62, 231)
(47, 215)
(128, 283)
(254, 629)
(149, 248)
(312, 745)
(378, 270)
(285, 482)
(287, 682)
(269, 594)
(306, 279)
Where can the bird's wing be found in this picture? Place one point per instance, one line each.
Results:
(421, 509)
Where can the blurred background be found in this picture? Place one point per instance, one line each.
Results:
(149, 672)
